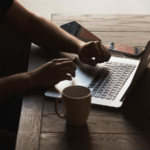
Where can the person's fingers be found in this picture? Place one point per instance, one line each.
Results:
(98, 53)
(64, 64)
(87, 53)
(63, 77)
(87, 60)
(102, 52)
(60, 60)
(105, 54)
(94, 49)
(108, 54)
(66, 71)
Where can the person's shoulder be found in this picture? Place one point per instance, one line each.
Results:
(5, 5)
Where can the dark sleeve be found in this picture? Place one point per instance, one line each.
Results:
(4, 6)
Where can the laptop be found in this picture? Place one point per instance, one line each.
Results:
(110, 82)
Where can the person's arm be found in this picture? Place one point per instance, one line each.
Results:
(47, 75)
(14, 84)
(39, 30)
(47, 34)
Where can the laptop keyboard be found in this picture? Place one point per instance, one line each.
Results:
(110, 80)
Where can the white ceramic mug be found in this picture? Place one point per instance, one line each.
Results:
(76, 101)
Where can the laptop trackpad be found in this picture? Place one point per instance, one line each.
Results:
(58, 88)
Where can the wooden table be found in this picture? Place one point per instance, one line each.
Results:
(127, 128)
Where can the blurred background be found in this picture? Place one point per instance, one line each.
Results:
(46, 7)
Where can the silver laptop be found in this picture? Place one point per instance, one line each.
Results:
(110, 82)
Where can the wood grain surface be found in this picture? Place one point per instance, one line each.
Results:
(126, 29)
(107, 22)
(127, 128)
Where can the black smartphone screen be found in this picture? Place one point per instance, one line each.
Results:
(79, 31)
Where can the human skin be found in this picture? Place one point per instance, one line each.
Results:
(47, 35)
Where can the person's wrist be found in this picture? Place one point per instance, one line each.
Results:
(32, 79)
(80, 45)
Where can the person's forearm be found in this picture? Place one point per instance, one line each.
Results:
(48, 35)
(39, 30)
(14, 84)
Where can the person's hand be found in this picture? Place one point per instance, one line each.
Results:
(53, 72)
(93, 49)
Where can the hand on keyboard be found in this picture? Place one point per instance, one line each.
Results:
(93, 49)
(53, 72)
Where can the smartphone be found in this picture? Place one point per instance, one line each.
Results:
(79, 31)
(83, 34)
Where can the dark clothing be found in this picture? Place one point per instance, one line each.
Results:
(7, 140)
(5, 5)
(10, 121)
(9, 110)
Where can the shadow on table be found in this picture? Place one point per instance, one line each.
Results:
(137, 106)
(134, 116)
(78, 138)
(136, 110)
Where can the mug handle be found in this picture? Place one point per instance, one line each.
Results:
(63, 116)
